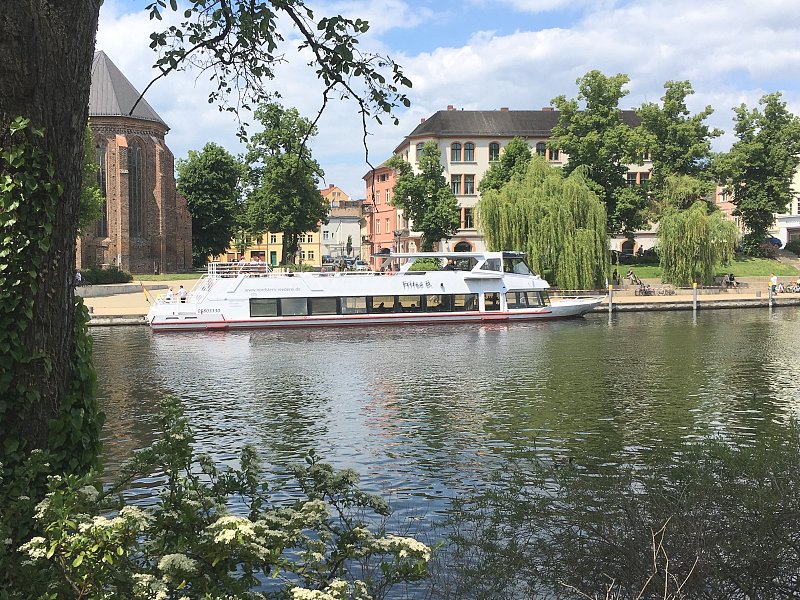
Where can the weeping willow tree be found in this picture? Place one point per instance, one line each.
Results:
(558, 222)
(693, 244)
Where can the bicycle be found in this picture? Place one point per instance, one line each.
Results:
(644, 290)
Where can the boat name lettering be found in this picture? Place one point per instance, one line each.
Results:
(209, 310)
(276, 289)
(417, 284)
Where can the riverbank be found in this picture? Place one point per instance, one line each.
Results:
(128, 304)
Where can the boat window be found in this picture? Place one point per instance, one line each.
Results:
(263, 307)
(491, 264)
(409, 303)
(465, 302)
(491, 301)
(516, 265)
(544, 298)
(439, 303)
(523, 299)
(381, 304)
(354, 305)
(294, 307)
(323, 306)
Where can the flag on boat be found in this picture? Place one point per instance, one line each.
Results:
(145, 292)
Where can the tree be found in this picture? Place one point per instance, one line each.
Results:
(426, 197)
(46, 378)
(598, 139)
(284, 178)
(514, 161)
(680, 149)
(559, 222)
(210, 181)
(678, 144)
(693, 243)
(760, 166)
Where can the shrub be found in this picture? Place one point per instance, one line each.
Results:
(312, 543)
(96, 275)
(793, 246)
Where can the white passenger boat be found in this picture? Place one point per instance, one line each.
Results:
(457, 287)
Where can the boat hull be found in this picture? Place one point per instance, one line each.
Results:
(189, 320)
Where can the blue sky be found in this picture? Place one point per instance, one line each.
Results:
(484, 54)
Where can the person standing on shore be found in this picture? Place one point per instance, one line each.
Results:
(773, 282)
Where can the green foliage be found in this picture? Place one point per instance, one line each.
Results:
(284, 178)
(92, 543)
(426, 197)
(513, 162)
(793, 246)
(91, 201)
(558, 222)
(210, 180)
(28, 197)
(760, 166)
(716, 518)
(682, 191)
(240, 43)
(693, 244)
(97, 275)
(598, 141)
(426, 264)
(679, 144)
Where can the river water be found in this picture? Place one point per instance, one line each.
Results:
(425, 413)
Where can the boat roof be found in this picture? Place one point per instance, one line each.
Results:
(452, 254)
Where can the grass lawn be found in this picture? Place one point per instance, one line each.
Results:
(744, 267)
(169, 276)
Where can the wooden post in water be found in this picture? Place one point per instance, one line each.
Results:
(610, 298)
(694, 296)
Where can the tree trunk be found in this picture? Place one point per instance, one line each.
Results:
(46, 51)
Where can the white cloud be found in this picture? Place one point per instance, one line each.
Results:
(731, 54)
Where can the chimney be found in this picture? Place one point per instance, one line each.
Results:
(547, 109)
(503, 109)
(450, 107)
(422, 120)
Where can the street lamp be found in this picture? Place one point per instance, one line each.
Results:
(397, 240)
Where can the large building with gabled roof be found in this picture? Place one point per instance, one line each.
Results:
(146, 226)
(470, 141)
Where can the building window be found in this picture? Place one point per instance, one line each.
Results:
(644, 179)
(469, 184)
(455, 182)
(494, 151)
(631, 179)
(309, 239)
(469, 221)
(376, 197)
(419, 150)
(455, 152)
(273, 238)
(310, 255)
(388, 196)
(377, 226)
(324, 235)
(135, 190)
(388, 226)
(469, 152)
(553, 154)
(100, 159)
(541, 148)
(302, 254)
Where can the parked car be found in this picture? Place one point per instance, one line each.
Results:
(361, 265)
(774, 241)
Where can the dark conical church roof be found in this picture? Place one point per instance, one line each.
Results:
(112, 95)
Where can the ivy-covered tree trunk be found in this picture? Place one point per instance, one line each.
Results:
(46, 51)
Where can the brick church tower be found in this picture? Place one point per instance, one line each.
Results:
(146, 226)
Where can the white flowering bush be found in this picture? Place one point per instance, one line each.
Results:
(87, 542)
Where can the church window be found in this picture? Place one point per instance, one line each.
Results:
(100, 160)
(135, 190)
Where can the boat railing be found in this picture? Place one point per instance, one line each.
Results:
(234, 269)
